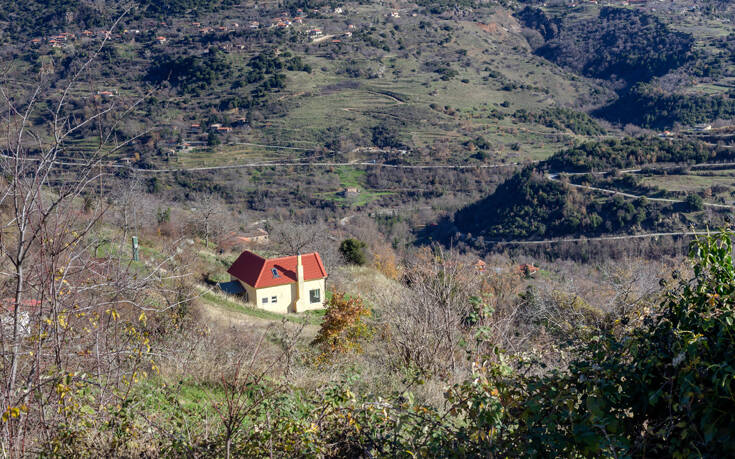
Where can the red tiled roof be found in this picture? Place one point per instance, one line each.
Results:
(257, 272)
(527, 268)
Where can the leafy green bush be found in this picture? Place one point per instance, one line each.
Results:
(661, 388)
(353, 251)
(694, 202)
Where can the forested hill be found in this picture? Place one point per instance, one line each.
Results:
(529, 206)
(651, 56)
(618, 45)
(631, 152)
(533, 205)
(33, 17)
(30, 18)
(651, 107)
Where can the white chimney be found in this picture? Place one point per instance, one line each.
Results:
(300, 300)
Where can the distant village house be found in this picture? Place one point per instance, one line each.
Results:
(350, 191)
(255, 236)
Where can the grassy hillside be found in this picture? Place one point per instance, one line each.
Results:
(324, 84)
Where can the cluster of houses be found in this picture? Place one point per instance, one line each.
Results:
(56, 41)
(63, 38)
(59, 40)
(283, 20)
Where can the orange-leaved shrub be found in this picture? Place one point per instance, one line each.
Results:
(344, 328)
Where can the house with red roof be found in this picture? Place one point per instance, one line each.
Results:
(287, 284)
(526, 270)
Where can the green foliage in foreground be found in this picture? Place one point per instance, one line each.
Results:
(662, 388)
(665, 388)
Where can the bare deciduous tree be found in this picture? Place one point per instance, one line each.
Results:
(73, 333)
(295, 237)
(209, 211)
(428, 319)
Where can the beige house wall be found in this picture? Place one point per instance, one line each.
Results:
(312, 285)
(282, 295)
(285, 296)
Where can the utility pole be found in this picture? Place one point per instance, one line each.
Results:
(135, 249)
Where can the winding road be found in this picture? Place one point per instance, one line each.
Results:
(555, 177)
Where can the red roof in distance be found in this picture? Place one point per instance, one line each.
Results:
(257, 271)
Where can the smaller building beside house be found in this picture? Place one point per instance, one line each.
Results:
(288, 284)
(27, 308)
(255, 236)
(245, 239)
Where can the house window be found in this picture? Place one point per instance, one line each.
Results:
(275, 273)
(265, 300)
(315, 296)
(274, 299)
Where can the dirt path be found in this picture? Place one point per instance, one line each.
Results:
(221, 316)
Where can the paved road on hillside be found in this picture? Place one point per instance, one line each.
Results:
(555, 177)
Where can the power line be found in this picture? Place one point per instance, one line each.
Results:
(601, 238)
(278, 164)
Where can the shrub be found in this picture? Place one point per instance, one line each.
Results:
(694, 202)
(353, 251)
(343, 327)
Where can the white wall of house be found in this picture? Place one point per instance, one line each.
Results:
(309, 286)
(275, 299)
(281, 298)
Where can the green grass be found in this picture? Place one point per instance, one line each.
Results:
(220, 300)
(687, 183)
(350, 176)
